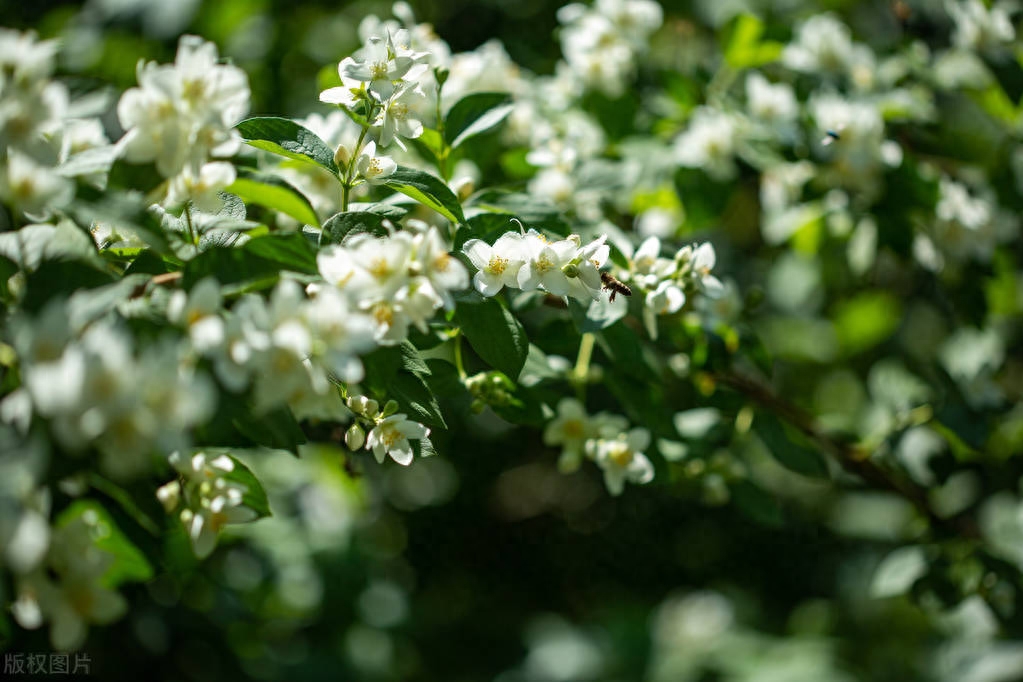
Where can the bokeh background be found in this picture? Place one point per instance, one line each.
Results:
(486, 563)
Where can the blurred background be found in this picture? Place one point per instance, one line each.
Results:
(486, 563)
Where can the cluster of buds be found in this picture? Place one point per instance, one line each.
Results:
(490, 388)
(389, 430)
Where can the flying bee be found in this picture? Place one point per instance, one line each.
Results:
(613, 285)
(832, 135)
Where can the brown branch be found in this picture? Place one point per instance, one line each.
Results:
(854, 459)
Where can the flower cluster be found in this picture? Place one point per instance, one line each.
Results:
(665, 281)
(288, 347)
(380, 83)
(207, 497)
(181, 118)
(528, 260)
(37, 132)
(389, 430)
(398, 281)
(95, 390)
(603, 439)
(69, 587)
(600, 43)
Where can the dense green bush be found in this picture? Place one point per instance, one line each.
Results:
(681, 345)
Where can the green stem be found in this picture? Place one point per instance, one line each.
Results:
(191, 228)
(581, 371)
(458, 356)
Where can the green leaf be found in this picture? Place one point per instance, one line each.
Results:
(493, 332)
(783, 445)
(129, 564)
(532, 211)
(427, 190)
(416, 399)
(274, 193)
(255, 496)
(474, 114)
(756, 504)
(275, 429)
(261, 259)
(866, 320)
(340, 226)
(33, 244)
(744, 48)
(284, 137)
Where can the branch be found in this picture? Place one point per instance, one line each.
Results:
(852, 458)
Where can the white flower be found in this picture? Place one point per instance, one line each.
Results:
(391, 437)
(378, 66)
(398, 118)
(182, 114)
(774, 104)
(372, 168)
(384, 261)
(436, 264)
(622, 459)
(498, 265)
(586, 284)
(202, 188)
(979, 28)
(340, 334)
(544, 263)
(350, 92)
(569, 429)
(708, 143)
(666, 299)
(703, 261)
(33, 189)
(199, 310)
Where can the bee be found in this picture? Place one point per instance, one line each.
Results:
(614, 286)
(832, 135)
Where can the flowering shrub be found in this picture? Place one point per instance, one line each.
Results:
(451, 247)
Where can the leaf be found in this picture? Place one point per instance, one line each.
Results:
(129, 564)
(392, 211)
(781, 443)
(340, 226)
(284, 137)
(274, 193)
(897, 572)
(756, 504)
(259, 259)
(493, 332)
(474, 114)
(744, 48)
(866, 320)
(427, 190)
(416, 399)
(532, 211)
(255, 495)
(33, 244)
(87, 305)
(275, 429)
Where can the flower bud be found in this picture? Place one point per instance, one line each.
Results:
(390, 408)
(355, 437)
(169, 495)
(342, 156)
(571, 270)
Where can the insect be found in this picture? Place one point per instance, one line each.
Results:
(614, 286)
(832, 135)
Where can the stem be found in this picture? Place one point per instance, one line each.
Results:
(458, 356)
(582, 364)
(347, 182)
(191, 229)
(854, 459)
